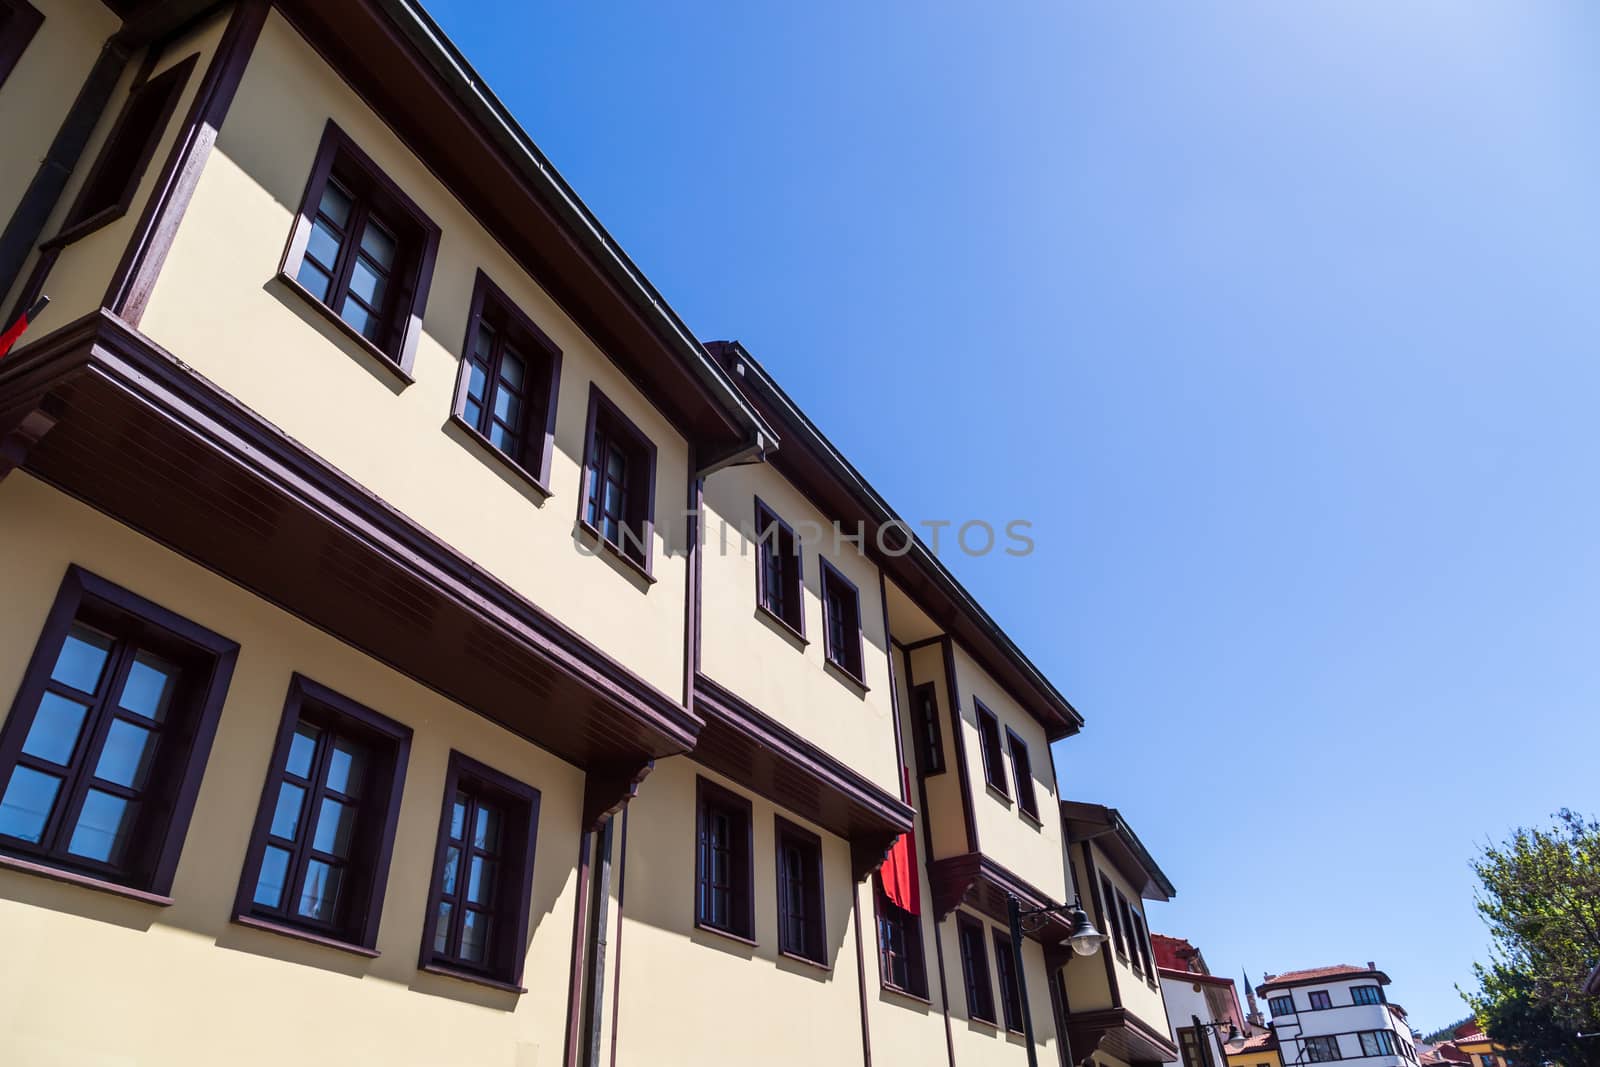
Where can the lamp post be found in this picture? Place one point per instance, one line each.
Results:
(1083, 939)
(1215, 1028)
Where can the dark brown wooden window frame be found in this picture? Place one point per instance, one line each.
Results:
(1325, 1042)
(783, 546)
(990, 741)
(337, 151)
(508, 947)
(19, 21)
(886, 910)
(1125, 910)
(95, 207)
(814, 946)
(974, 951)
(1107, 893)
(1327, 999)
(1006, 974)
(1141, 937)
(1286, 1002)
(850, 660)
(930, 735)
(491, 305)
(357, 931)
(742, 923)
(1022, 776)
(634, 545)
(181, 762)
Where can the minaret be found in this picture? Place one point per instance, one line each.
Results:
(1254, 1017)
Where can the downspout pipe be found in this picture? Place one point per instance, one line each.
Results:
(24, 229)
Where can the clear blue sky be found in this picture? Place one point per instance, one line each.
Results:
(1279, 321)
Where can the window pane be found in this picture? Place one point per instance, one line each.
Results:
(55, 729)
(378, 243)
(302, 748)
(320, 894)
(441, 927)
(458, 817)
(335, 823)
(82, 659)
(367, 283)
(323, 244)
(486, 834)
(364, 322)
(314, 279)
(452, 862)
(335, 204)
(474, 936)
(125, 759)
(286, 816)
(346, 768)
(274, 871)
(511, 369)
(616, 465)
(507, 408)
(502, 438)
(148, 687)
(472, 411)
(480, 880)
(26, 806)
(104, 825)
(476, 382)
(483, 341)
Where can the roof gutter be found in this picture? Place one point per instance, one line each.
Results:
(448, 62)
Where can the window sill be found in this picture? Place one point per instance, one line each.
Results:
(888, 987)
(993, 1024)
(383, 358)
(788, 628)
(467, 976)
(843, 674)
(805, 960)
(1030, 818)
(84, 227)
(306, 935)
(999, 794)
(616, 550)
(484, 444)
(729, 934)
(99, 885)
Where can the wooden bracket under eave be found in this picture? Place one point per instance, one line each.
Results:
(606, 790)
(20, 436)
(868, 853)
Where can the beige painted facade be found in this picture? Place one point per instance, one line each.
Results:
(96, 979)
(1088, 988)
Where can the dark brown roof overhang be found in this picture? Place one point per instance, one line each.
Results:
(1083, 821)
(977, 881)
(1120, 1033)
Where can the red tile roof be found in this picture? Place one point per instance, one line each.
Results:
(1172, 953)
(1338, 970)
(1255, 1043)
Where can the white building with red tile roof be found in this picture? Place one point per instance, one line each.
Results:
(1339, 1012)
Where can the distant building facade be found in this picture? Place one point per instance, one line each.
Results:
(1340, 1012)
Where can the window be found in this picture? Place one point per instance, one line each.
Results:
(900, 947)
(1322, 1049)
(362, 251)
(101, 755)
(1125, 913)
(619, 476)
(925, 720)
(802, 929)
(1365, 994)
(506, 391)
(319, 856)
(994, 766)
(19, 20)
(841, 617)
(723, 877)
(779, 584)
(1381, 1043)
(975, 969)
(1022, 773)
(1320, 999)
(1108, 906)
(1005, 966)
(477, 918)
(1280, 1006)
(1195, 1051)
(1141, 941)
(109, 186)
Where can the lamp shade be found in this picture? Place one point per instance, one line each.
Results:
(1084, 938)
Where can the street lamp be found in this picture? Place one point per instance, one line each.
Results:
(1234, 1034)
(1082, 938)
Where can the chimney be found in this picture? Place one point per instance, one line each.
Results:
(1371, 966)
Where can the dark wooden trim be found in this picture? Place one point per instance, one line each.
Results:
(616, 982)
(963, 773)
(1097, 897)
(1088, 1029)
(944, 993)
(285, 930)
(894, 691)
(691, 596)
(706, 790)
(607, 790)
(798, 626)
(193, 735)
(982, 884)
(486, 293)
(782, 828)
(520, 834)
(572, 1053)
(79, 222)
(360, 926)
(600, 404)
(446, 971)
(100, 348)
(1014, 742)
(878, 900)
(380, 359)
(829, 575)
(136, 274)
(414, 277)
(965, 924)
(22, 21)
(99, 885)
(20, 435)
(1002, 950)
(861, 976)
(993, 777)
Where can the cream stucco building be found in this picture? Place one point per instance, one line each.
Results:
(422, 649)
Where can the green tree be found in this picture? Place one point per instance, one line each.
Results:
(1541, 899)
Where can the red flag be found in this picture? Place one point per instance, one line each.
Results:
(9, 338)
(899, 872)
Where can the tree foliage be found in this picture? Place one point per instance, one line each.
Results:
(1540, 896)
(1445, 1033)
